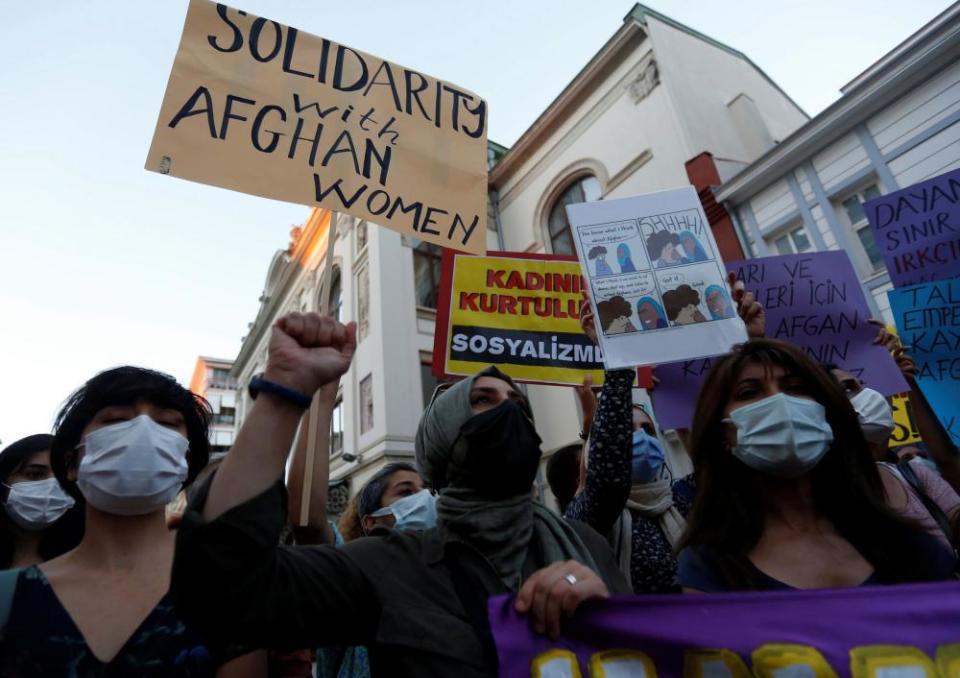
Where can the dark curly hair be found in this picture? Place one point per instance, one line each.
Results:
(596, 251)
(126, 386)
(677, 299)
(658, 240)
(613, 308)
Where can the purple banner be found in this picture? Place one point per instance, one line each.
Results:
(855, 632)
(917, 229)
(812, 300)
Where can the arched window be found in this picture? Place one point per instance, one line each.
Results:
(336, 296)
(584, 189)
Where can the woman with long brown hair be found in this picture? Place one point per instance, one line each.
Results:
(788, 494)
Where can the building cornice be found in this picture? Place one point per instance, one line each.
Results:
(870, 92)
(617, 48)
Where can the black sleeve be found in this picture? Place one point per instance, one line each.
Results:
(232, 578)
(609, 569)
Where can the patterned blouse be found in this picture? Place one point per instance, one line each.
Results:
(653, 566)
(41, 639)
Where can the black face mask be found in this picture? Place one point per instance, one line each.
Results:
(498, 453)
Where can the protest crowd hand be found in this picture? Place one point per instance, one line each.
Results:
(587, 321)
(885, 338)
(309, 350)
(908, 367)
(750, 310)
(588, 402)
(556, 591)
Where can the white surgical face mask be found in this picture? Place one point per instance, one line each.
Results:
(36, 504)
(781, 435)
(415, 512)
(875, 414)
(132, 468)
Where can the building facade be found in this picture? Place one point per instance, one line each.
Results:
(212, 380)
(896, 124)
(659, 106)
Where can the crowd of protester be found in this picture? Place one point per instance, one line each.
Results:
(794, 487)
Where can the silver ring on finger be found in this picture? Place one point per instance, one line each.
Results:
(571, 579)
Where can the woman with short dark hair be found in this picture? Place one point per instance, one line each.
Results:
(125, 444)
(788, 494)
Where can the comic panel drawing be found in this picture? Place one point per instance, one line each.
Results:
(613, 249)
(692, 295)
(618, 307)
(675, 238)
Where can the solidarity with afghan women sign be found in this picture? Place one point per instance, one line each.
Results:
(863, 632)
(656, 279)
(812, 300)
(918, 230)
(259, 107)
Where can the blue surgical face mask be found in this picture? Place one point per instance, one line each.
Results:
(781, 435)
(415, 512)
(647, 457)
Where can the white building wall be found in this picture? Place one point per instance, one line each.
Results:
(930, 102)
(772, 204)
(703, 78)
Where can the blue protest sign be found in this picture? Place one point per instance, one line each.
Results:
(928, 321)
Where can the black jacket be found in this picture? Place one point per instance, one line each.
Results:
(417, 601)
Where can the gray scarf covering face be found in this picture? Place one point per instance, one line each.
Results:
(517, 535)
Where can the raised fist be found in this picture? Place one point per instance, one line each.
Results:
(309, 350)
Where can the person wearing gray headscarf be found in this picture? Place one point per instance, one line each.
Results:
(483, 466)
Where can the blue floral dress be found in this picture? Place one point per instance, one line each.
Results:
(40, 639)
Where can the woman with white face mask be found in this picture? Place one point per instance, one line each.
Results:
(125, 444)
(38, 523)
(788, 494)
(914, 490)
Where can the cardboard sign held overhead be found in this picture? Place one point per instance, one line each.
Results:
(259, 107)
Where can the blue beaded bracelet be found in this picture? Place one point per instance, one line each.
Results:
(299, 399)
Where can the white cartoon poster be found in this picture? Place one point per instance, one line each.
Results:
(657, 282)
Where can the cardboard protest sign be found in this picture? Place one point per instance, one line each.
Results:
(928, 318)
(515, 310)
(259, 107)
(859, 632)
(918, 230)
(812, 300)
(662, 296)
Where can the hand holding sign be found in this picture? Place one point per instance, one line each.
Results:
(556, 591)
(748, 308)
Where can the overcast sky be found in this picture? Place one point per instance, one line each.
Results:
(103, 263)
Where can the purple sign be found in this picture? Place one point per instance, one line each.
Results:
(910, 630)
(812, 300)
(917, 229)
